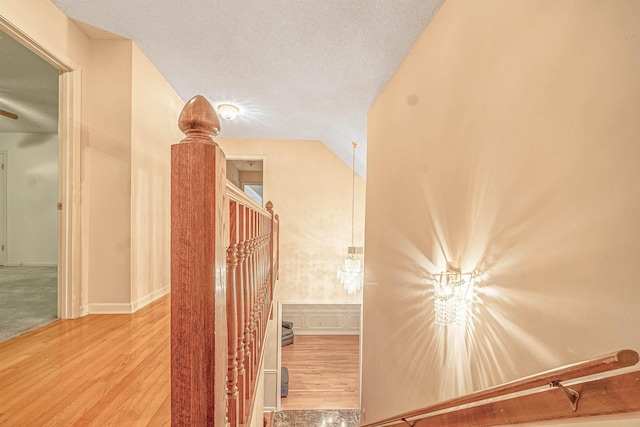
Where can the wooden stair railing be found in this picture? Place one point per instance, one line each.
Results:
(224, 265)
(611, 395)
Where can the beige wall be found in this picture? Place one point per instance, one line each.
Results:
(155, 111)
(310, 188)
(518, 124)
(108, 172)
(131, 176)
(129, 120)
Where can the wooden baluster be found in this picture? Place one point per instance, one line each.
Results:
(265, 269)
(263, 320)
(256, 316)
(240, 314)
(272, 250)
(246, 289)
(256, 269)
(232, 319)
(198, 251)
(254, 294)
(270, 265)
(265, 272)
(277, 224)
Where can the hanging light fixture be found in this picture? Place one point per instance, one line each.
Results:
(453, 293)
(351, 272)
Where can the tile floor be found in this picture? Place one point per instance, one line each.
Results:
(318, 418)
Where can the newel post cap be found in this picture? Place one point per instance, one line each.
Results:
(199, 121)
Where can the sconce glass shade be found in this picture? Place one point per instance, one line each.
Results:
(452, 296)
(351, 273)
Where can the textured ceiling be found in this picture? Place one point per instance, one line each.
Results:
(298, 69)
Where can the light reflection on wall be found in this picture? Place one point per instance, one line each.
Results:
(521, 163)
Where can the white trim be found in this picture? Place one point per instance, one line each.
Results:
(312, 302)
(126, 307)
(72, 293)
(331, 332)
(3, 224)
(72, 290)
(257, 410)
(272, 373)
(323, 319)
(110, 308)
(279, 355)
(149, 298)
(31, 264)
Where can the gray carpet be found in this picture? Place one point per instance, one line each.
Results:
(28, 299)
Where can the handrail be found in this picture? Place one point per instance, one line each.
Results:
(224, 265)
(240, 196)
(616, 360)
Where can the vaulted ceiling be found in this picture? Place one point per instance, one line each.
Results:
(298, 69)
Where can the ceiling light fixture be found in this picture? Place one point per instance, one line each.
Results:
(350, 272)
(228, 111)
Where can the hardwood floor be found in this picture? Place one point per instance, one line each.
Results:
(100, 370)
(323, 372)
(114, 370)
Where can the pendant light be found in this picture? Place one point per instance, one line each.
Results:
(351, 272)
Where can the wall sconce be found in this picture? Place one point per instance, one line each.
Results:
(453, 295)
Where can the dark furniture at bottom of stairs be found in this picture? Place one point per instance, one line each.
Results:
(287, 333)
(284, 383)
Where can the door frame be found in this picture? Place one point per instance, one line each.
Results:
(72, 294)
(3, 207)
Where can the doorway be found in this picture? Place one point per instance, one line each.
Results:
(247, 173)
(3, 209)
(322, 359)
(72, 293)
(30, 180)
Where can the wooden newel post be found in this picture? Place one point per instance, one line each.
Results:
(198, 272)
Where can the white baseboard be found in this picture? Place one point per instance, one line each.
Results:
(330, 332)
(149, 298)
(31, 264)
(110, 308)
(323, 319)
(125, 307)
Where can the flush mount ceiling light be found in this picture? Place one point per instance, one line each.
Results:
(228, 111)
(453, 295)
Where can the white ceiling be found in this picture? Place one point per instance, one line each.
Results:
(28, 88)
(298, 69)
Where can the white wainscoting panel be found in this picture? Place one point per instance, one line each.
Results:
(270, 384)
(323, 319)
